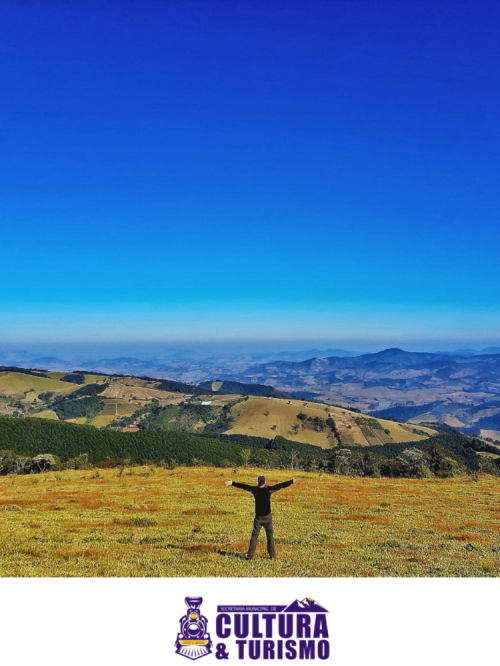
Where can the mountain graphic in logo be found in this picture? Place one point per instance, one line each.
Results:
(307, 605)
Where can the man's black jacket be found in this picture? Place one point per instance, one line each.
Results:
(262, 495)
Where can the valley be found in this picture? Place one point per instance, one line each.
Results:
(129, 404)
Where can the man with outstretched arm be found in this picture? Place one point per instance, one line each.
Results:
(263, 517)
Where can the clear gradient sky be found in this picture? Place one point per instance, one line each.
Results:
(194, 169)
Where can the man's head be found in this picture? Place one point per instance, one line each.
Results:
(261, 480)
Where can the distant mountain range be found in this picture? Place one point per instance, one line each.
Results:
(178, 361)
(473, 352)
(310, 353)
(386, 361)
(451, 389)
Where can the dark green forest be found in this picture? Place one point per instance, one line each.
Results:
(73, 378)
(246, 389)
(31, 437)
(84, 401)
(178, 387)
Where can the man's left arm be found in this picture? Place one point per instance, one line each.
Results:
(284, 484)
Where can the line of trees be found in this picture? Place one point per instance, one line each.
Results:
(446, 454)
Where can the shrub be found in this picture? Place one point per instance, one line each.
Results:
(79, 462)
(11, 463)
(246, 454)
(22, 465)
(374, 463)
(442, 462)
(339, 462)
(416, 462)
(394, 469)
(264, 458)
(74, 378)
(45, 462)
(7, 462)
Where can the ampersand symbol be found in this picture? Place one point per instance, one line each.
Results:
(221, 651)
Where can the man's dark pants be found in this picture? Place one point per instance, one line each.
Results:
(267, 523)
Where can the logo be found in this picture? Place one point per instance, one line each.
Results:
(193, 641)
(296, 631)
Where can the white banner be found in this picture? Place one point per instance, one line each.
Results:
(391, 622)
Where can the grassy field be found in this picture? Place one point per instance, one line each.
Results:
(135, 392)
(117, 408)
(102, 420)
(258, 416)
(16, 383)
(46, 414)
(184, 522)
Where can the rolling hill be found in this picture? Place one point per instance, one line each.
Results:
(317, 423)
(17, 384)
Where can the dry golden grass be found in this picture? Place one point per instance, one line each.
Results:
(184, 522)
(16, 383)
(133, 389)
(46, 414)
(250, 419)
(400, 434)
(102, 420)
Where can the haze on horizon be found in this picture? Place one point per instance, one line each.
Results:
(71, 352)
(253, 174)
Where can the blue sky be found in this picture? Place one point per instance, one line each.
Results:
(192, 170)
